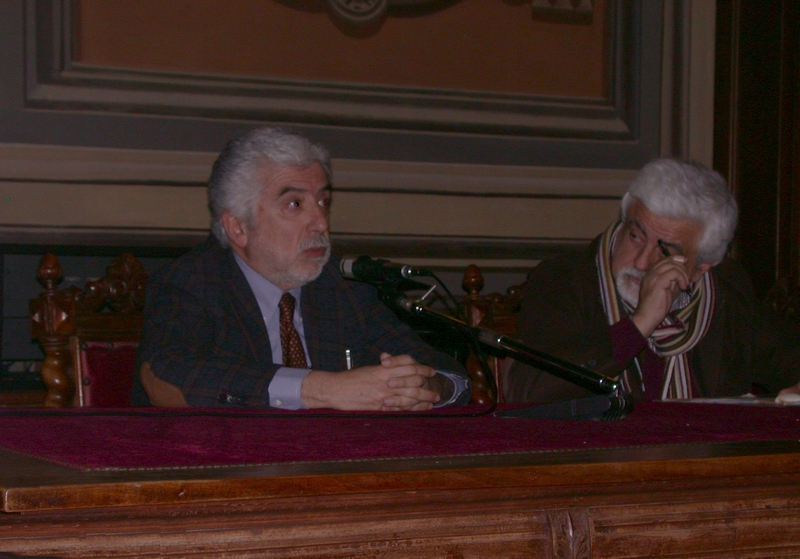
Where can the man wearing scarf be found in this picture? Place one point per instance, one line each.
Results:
(654, 303)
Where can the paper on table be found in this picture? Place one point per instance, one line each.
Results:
(746, 400)
(789, 399)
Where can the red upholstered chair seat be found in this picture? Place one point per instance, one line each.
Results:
(104, 372)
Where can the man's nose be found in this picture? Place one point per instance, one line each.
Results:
(319, 220)
(647, 256)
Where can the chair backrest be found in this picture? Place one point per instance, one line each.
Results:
(784, 298)
(89, 336)
(497, 312)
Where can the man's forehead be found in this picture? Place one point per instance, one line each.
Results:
(280, 179)
(682, 233)
(636, 209)
(639, 214)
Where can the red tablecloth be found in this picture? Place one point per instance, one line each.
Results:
(154, 438)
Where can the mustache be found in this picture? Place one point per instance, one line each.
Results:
(631, 271)
(315, 242)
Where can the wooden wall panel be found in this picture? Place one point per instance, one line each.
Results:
(474, 66)
(488, 163)
(477, 45)
(757, 131)
(514, 175)
(138, 197)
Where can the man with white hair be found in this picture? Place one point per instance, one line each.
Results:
(258, 315)
(655, 304)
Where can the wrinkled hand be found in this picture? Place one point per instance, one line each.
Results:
(398, 383)
(789, 395)
(414, 396)
(658, 288)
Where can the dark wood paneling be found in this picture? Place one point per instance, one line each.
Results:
(756, 130)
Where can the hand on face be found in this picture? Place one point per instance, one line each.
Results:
(398, 383)
(657, 290)
(654, 259)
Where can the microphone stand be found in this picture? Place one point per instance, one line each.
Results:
(607, 402)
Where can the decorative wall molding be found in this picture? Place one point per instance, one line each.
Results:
(65, 164)
(431, 212)
(367, 12)
(48, 99)
(56, 81)
(581, 6)
(36, 162)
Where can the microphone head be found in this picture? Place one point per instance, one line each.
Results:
(346, 267)
(361, 268)
(365, 268)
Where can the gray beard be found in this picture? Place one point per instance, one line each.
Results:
(626, 288)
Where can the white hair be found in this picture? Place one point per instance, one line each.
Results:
(688, 191)
(235, 183)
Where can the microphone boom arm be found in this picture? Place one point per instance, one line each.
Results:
(581, 376)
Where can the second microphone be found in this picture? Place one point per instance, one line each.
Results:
(365, 268)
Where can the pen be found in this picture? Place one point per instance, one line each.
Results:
(665, 252)
(664, 249)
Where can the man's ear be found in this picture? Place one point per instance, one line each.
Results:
(235, 228)
(701, 269)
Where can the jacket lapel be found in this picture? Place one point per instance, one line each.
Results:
(245, 309)
(323, 323)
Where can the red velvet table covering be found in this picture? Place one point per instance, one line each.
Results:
(156, 438)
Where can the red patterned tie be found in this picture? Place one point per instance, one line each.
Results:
(292, 347)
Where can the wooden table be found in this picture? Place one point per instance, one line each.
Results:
(709, 500)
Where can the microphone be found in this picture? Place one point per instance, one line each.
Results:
(364, 268)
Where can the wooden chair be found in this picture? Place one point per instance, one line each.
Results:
(89, 336)
(784, 298)
(497, 312)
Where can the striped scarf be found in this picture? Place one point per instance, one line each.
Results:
(681, 330)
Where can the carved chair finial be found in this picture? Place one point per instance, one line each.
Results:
(473, 280)
(495, 311)
(49, 272)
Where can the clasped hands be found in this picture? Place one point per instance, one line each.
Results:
(399, 383)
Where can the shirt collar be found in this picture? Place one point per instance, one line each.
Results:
(268, 295)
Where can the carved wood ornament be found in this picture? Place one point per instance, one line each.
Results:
(106, 308)
(366, 12)
(497, 312)
(571, 534)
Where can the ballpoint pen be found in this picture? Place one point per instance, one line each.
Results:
(664, 249)
(666, 253)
